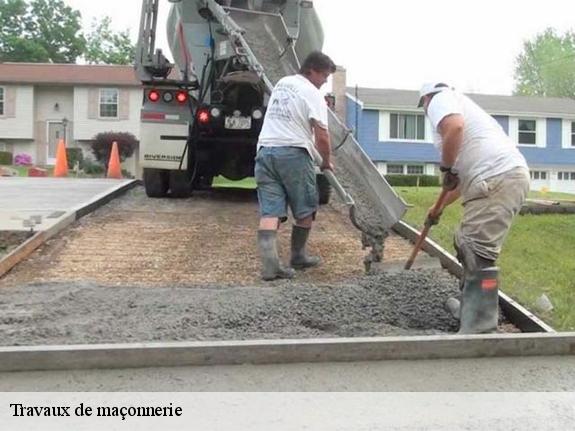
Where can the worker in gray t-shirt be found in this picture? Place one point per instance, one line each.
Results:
(483, 166)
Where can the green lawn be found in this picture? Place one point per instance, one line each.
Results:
(538, 256)
(22, 170)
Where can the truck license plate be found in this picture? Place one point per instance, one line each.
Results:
(238, 123)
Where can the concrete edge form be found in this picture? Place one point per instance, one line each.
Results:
(21, 252)
(104, 198)
(519, 315)
(31, 244)
(110, 356)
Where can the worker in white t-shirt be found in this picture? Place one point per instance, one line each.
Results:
(295, 121)
(483, 166)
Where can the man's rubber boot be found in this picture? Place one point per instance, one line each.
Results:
(271, 267)
(479, 302)
(299, 257)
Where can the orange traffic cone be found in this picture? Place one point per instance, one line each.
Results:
(114, 168)
(61, 168)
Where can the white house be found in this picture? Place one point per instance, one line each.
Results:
(42, 103)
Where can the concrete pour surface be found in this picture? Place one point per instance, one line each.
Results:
(79, 313)
(45, 201)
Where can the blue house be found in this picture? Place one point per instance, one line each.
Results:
(397, 137)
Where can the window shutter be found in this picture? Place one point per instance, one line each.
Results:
(93, 103)
(10, 102)
(541, 141)
(566, 134)
(124, 104)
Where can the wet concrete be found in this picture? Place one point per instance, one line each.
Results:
(386, 304)
(370, 219)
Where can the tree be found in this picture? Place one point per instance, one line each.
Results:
(15, 40)
(546, 67)
(41, 31)
(106, 46)
(58, 30)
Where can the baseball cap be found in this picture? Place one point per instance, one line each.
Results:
(431, 88)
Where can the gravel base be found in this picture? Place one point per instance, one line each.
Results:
(410, 303)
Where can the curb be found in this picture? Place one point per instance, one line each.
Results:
(31, 244)
(519, 315)
(180, 354)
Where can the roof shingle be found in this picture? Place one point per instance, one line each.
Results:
(494, 104)
(67, 74)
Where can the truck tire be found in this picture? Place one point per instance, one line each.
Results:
(156, 182)
(203, 182)
(323, 188)
(180, 184)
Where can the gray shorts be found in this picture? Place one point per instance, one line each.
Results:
(488, 209)
(285, 176)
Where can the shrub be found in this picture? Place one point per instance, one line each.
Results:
(127, 174)
(102, 145)
(75, 155)
(91, 168)
(5, 158)
(411, 180)
(23, 160)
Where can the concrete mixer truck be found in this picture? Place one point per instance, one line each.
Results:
(202, 114)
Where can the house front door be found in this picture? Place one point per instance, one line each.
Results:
(55, 133)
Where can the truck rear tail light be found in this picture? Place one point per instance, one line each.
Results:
(153, 96)
(257, 114)
(182, 97)
(203, 116)
(215, 112)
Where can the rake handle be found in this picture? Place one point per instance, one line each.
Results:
(421, 239)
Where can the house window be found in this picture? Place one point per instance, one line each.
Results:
(538, 175)
(527, 132)
(407, 126)
(109, 103)
(566, 176)
(1, 100)
(395, 169)
(414, 170)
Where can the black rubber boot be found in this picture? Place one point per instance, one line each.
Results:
(271, 267)
(479, 302)
(299, 257)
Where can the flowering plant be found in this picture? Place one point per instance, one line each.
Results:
(23, 160)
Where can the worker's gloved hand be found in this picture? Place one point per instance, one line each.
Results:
(433, 217)
(450, 179)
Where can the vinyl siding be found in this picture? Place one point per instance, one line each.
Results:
(87, 124)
